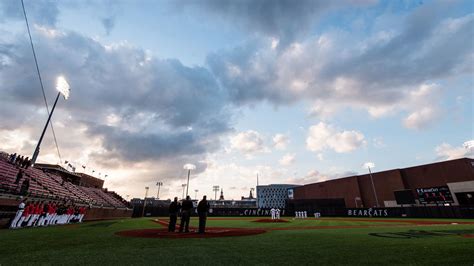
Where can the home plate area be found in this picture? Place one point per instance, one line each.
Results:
(210, 232)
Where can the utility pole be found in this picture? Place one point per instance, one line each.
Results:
(373, 187)
(183, 185)
(159, 184)
(144, 201)
(215, 189)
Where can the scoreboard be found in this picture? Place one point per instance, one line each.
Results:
(436, 195)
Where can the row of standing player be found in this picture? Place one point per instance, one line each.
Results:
(45, 214)
(301, 215)
(275, 214)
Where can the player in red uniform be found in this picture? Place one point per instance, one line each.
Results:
(26, 214)
(82, 212)
(35, 214)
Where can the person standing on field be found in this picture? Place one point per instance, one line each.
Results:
(186, 209)
(202, 209)
(173, 211)
(273, 212)
(18, 214)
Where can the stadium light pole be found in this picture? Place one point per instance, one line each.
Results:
(369, 165)
(159, 184)
(144, 201)
(183, 185)
(188, 167)
(215, 189)
(63, 88)
(196, 193)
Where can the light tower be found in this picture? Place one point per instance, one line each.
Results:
(183, 186)
(144, 201)
(188, 167)
(63, 88)
(215, 189)
(369, 165)
(159, 184)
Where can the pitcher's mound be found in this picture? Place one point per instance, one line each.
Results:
(210, 232)
(270, 221)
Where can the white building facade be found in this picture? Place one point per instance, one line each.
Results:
(273, 196)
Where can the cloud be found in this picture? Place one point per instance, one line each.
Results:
(248, 142)
(288, 159)
(445, 151)
(43, 12)
(324, 136)
(280, 141)
(378, 72)
(108, 23)
(283, 19)
(420, 119)
(314, 176)
(126, 107)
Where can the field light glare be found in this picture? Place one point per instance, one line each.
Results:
(189, 166)
(369, 165)
(63, 87)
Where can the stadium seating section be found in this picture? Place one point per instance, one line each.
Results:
(53, 187)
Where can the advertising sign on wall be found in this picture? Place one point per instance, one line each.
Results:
(438, 195)
(290, 193)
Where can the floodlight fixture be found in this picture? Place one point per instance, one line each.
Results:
(63, 88)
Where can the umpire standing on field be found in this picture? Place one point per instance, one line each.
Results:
(202, 209)
(186, 209)
(173, 210)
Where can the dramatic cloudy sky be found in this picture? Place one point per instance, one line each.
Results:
(296, 91)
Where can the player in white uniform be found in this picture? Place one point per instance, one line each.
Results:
(18, 214)
(305, 214)
(277, 211)
(273, 212)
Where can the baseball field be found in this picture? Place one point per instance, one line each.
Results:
(245, 241)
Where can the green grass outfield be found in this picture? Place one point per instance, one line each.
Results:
(94, 243)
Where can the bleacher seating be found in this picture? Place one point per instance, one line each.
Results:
(52, 187)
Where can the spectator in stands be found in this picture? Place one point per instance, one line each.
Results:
(25, 163)
(18, 214)
(186, 209)
(202, 209)
(12, 158)
(25, 185)
(19, 160)
(19, 176)
(173, 210)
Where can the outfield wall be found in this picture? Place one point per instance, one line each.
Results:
(357, 191)
(326, 211)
